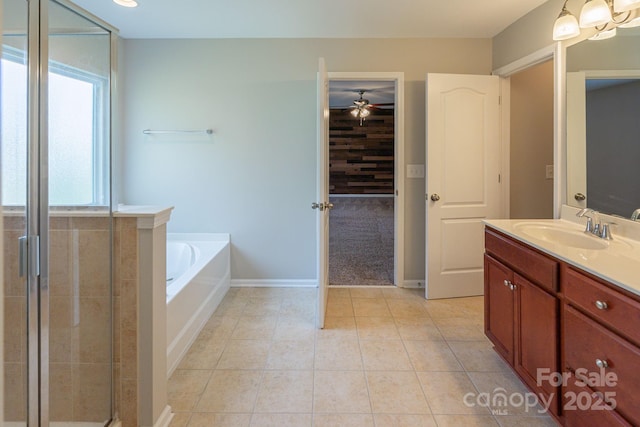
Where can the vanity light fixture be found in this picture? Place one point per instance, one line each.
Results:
(603, 15)
(126, 3)
(603, 35)
(595, 13)
(625, 5)
(566, 26)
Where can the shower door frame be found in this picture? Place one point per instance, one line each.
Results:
(37, 207)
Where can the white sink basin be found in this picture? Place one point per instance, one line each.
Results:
(562, 236)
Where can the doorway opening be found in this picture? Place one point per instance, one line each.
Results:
(531, 147)
(363, 181)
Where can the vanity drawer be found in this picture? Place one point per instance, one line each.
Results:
(582, 407)
(587, 344)
(605, 304)
(531, 264)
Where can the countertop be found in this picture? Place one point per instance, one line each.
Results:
(619, 263)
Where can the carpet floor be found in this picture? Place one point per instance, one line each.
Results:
(361, 241)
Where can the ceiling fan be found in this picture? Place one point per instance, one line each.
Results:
(361, 108)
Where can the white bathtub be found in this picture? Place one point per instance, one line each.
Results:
(198, 277)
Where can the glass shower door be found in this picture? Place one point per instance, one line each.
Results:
(13, 167)
(80, 334)
(55, 174)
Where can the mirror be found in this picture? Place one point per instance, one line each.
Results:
(603, 124)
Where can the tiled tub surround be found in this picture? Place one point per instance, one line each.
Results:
(80, 319)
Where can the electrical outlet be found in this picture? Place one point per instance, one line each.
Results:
(549, 172)
(415, 171)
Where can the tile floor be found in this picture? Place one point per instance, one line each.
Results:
(386, 357)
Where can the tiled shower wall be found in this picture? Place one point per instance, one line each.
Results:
(80, 320)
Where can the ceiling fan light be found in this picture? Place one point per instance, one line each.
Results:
(566, 26)
(625, 5)
(594, 13)
(355, 112)
(126, 3)
(364, 112)
(603, 35)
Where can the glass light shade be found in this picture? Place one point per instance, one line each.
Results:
(355, 112)
(566, 26)
(624, 5)
(635, 22)
(594, 13)
(603, 35)
(364, 112)
(126, 3)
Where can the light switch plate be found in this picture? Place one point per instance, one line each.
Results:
(549, 172)
(415, 171)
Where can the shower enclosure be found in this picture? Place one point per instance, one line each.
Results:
(55, 167)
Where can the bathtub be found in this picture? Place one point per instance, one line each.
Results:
(198, 277)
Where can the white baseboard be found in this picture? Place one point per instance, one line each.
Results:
(413, 284)
(268, 283)
(165, 417)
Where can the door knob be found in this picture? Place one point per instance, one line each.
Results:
(435, 197)
(328, 205)
(315, 205)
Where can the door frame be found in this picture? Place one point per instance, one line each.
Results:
(398, 160)
(554, 52)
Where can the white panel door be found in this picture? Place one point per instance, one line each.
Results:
(576, 139)
(322, 204)
(462, 180)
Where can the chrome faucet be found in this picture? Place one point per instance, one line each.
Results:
(594, 225)
(635, 216)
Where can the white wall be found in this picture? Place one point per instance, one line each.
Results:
(256, 177)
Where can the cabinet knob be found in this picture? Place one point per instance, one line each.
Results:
(600, 363)
(601, 305)
(507, 283)
(512, 287)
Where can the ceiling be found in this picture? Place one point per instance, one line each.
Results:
(342, 93)
(311, 18)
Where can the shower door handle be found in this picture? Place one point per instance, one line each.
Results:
(29, 247)
(22, 256)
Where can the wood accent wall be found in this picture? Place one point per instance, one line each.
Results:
(361, 157)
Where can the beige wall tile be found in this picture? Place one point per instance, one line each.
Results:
(15, 391)
(15, 330)
(91, 341)
(94, 249)
(91, 392)
(60, 392)
(129, 403)
(60, 263)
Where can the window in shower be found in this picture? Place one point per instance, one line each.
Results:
(78, 154)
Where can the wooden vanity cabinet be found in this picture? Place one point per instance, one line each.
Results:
(522, 311)
(542, 313)
(600, 339)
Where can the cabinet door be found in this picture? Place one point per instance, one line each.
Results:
(536, 337)
(499, 307)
